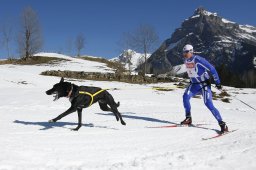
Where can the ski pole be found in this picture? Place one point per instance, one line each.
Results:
(234, 97)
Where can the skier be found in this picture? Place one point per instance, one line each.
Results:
(197, 69)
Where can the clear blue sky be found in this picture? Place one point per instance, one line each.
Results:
(104, 21)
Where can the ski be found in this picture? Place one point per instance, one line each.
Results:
(219, 135)
(178, 125)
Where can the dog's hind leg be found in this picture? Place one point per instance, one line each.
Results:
(116, 112)
(113, 105)
(70, 110)
(79, 113)
(104, 107)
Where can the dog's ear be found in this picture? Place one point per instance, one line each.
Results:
(61, 80)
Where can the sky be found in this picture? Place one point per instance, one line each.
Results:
(103, 22)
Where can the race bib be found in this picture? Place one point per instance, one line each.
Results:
(191, 70)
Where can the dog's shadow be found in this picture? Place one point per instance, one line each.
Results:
(131, 115)
(47, 125)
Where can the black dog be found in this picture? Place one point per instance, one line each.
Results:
(82, 97)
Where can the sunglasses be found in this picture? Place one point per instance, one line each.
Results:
(187, 51)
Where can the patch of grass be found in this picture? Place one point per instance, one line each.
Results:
(226, 100)
(114, 65)
(8, 61)
(97, 76)
(224, 94)
(32, 60)
(180, 85)
(163, 88)
(214, 95)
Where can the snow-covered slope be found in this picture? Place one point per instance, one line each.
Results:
(29, 142)
(73, 64)
(132, 57)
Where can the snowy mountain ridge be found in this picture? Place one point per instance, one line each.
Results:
(220, 41)
(130, 58)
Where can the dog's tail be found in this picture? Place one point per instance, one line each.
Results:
(117, 104)
(111, 98)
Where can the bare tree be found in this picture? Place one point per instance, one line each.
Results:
(143, 39)
(80, 42)
(7, 37)
(29, 38)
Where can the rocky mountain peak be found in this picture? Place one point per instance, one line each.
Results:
(220, 41)
(202, 11)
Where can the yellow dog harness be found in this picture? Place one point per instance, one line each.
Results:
(92, 95)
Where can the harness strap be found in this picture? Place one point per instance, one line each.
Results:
(92, 95)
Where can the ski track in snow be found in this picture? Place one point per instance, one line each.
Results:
(29, 142)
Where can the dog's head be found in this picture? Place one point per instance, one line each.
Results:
(60, 89)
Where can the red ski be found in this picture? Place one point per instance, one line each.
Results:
(178, 125)
(219, 135)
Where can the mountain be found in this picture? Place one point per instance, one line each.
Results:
(224, 43)
(130, 57)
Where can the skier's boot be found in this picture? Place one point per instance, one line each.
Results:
(223, 127)
(187, 121)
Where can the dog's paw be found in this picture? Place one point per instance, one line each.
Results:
(123, 123)
(75, 129)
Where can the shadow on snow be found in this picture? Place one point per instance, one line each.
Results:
(131, 115)
(47, 125)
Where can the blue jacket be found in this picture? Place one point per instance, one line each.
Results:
(198, 68)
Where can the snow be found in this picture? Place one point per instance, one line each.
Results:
(73, 64)
(29, 142)
(209, 13)
(248, 32)
(226, 39)
(227, 21)
(248, 28)
(56, 55)
(203, 12)
(195, 16)
(246, 36)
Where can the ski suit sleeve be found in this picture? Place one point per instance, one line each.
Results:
(204, 63)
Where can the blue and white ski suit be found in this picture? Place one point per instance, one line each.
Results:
(197, 69)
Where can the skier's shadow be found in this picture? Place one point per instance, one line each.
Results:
(47, 125)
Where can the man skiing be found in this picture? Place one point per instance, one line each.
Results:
(197, 69)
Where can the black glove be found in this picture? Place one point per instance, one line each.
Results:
(218, 86)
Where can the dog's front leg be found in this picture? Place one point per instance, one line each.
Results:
(79, 113)
(70, 110)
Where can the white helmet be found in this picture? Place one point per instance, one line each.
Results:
(188, 48)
